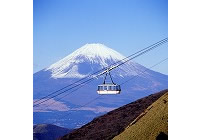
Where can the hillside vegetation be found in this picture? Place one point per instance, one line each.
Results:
(113, 123)
(152, 124)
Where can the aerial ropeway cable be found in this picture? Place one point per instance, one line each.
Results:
(103, 69)
(75, 109)
(108, 68)
(99, 73)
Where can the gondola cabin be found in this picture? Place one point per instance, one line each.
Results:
(109, 88)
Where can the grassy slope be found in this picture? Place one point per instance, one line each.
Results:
(113, 123)
(150, 123)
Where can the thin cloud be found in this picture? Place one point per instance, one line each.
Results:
(50, 105)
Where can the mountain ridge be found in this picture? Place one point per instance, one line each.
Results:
(114, 122)
(151, 124)
(48, 132)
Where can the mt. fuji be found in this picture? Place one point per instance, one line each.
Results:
(79, 64)
(92, 57)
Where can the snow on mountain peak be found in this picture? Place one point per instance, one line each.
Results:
(84, 60)
(98, 50)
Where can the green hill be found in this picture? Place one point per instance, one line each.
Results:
(152, 124)
(113, 123)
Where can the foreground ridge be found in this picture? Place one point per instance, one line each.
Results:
(113, 123)
(151, 124)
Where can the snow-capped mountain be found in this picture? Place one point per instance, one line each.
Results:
(90, 58)
(82, 62)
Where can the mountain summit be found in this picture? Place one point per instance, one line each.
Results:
(97, 50)
(88, 59)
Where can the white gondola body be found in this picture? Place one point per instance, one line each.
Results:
(109, 89)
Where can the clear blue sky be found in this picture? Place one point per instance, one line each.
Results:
(62, 26)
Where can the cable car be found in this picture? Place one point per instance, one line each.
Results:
(108, 88)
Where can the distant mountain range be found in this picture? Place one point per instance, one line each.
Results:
(146, 118)
(82, 62)
(48, 132)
